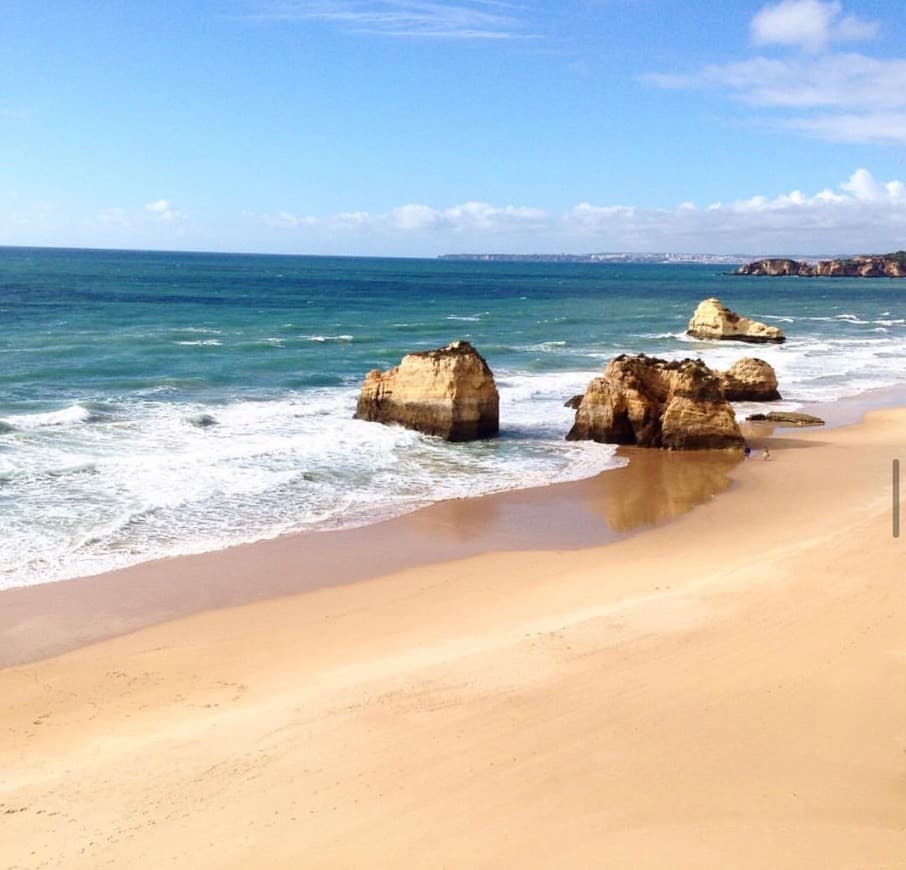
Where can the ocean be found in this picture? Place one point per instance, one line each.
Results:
(156, 404)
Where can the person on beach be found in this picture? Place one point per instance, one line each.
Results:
(766, 454)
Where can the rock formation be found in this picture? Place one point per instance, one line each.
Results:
(790, 417)
(749, 380)
(776, 267)
(712, 319)
(655, 403)
(886, 266)
(448, 392)
(862, 266)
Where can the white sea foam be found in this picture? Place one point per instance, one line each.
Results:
(545, 346)
(69, 416)
(169, 478)
(205, 330)
(206, 342)
(324, 338)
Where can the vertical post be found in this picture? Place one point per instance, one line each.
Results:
(896, 498)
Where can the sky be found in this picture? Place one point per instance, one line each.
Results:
(423, 127)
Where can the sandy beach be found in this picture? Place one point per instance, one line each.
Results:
(724, 690)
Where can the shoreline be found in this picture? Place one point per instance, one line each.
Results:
(725, 688)
(48, 619)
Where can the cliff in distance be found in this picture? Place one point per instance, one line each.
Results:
(861, 266)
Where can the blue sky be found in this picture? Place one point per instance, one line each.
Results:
(419, 127)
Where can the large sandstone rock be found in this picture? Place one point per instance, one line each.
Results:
(448, 392)
(750, 380)
(655, 403)
(712, 319)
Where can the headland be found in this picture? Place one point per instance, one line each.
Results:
(861, 266)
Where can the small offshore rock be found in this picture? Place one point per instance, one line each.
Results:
(449, 392)
(713, 320)
(791, 417)
(750, 380)
(202, 421)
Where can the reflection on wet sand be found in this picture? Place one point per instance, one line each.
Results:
(659, 486)
(655, 486)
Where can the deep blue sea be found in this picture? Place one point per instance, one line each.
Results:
(162, 403)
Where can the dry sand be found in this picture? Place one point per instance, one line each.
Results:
(726, 690)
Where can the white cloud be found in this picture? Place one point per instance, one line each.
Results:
(415, 218)
(881, 128)
(842, 97)
(860, 214)
(282, 219)
(808, 24)
(839, 81)
(466, 19)
(482, 216)
(163, 210)
(863, 186)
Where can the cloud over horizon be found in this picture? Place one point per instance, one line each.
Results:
(861, 214)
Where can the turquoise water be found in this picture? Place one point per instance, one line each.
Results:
(157, 403)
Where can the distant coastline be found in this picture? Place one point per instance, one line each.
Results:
(892, 265)
(615, 257)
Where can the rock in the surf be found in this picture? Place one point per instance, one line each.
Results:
(652, 402)
(713, 320)
(750, 380)
(449, 392)
(791, 418)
